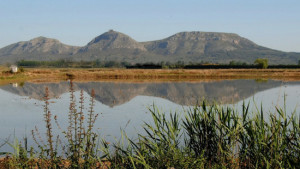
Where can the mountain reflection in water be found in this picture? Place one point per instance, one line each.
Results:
(182, 93)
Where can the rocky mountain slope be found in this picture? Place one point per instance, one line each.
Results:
(199, 43)
(112, 40)
(115, 46)
(40, 48)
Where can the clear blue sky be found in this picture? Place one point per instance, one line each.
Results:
(271, 23)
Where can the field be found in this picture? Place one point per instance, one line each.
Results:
(58, 74)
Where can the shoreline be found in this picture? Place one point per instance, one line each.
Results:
(146, 75)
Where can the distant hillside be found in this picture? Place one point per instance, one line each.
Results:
(112, 40)
(40, 48)
(115, 46)
(199, 43)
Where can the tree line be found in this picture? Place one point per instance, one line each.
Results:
(258, 63)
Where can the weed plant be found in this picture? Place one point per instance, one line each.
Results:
(78, 148)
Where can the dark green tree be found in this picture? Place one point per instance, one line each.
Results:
(262, 63)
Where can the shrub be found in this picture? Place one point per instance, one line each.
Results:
(21, 69)
(262, 63)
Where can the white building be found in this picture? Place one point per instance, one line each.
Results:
(14, 68)
(15, 85)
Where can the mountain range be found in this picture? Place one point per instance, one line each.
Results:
(115, 46)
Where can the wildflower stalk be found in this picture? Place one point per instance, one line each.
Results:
(47, 118)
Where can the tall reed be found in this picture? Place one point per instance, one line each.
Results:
(215, 137)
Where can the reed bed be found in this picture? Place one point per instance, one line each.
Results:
(205, 136)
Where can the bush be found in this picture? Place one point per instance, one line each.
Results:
(21, 69)
(262, 63)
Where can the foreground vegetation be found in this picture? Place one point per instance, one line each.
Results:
(206, 136)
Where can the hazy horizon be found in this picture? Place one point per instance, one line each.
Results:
(270, 23)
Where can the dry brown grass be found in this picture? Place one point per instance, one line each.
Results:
(51, 74)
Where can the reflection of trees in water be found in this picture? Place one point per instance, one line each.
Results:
(183, 93)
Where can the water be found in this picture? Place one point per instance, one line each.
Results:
(125, 105)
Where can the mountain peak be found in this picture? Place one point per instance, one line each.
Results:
(37, 45)
(111, 35)
(42, 40)
(207, 36)
(113, 40)
(199, 43)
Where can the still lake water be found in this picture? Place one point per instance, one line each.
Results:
(125, 105)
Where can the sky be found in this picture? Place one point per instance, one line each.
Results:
(270, 23)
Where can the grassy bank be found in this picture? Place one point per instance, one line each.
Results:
(58, 74)
(7, 77)
(206, 136)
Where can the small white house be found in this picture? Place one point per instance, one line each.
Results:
(15, 84)
(14, 68)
